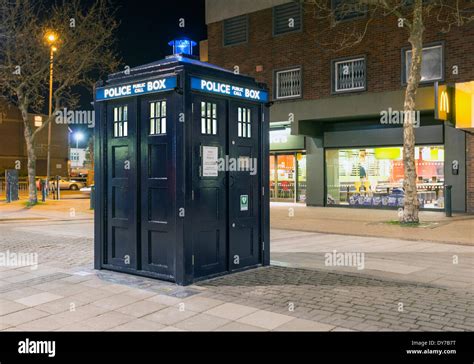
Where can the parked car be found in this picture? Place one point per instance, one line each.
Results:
(72, 185)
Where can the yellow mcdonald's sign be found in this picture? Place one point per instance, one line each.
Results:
(464, 108)
(443, 102)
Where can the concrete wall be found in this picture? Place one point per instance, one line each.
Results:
(455, 149)
(349, 106)
(217, 10)
(470, 172)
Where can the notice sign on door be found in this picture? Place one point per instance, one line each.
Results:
(210, 156)
(244, 202)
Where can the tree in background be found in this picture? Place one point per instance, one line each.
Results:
(85, 39)
(409, 15)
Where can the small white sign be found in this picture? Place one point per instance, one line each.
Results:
(209, 161)
(59, 166)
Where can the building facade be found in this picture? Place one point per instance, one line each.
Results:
(336, 126)
(13, 153)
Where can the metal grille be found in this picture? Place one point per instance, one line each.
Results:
(286, 18)
(288, 83)
(235, 30)
(350, 75)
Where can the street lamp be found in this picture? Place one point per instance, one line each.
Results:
(78, 136)
(51, 38)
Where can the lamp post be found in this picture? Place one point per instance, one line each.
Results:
(78, 136)
(51, 39)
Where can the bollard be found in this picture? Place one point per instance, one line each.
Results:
(44, 190)
(447, 201)
(58, 188)
(92, 197)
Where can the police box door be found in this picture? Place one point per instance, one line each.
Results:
(121, 248)
(244, 192)
(209, 193)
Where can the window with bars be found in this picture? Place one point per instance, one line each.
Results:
(244, 123)
(158, 117)
(120, 121)
(287, 18)
(349, 75)
(235, 30)
(208, 118)
(288, 83)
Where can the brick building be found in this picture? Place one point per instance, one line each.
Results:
(329, 142)
(13, 146)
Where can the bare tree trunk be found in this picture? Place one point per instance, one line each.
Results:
(411, 205)
(30, 148)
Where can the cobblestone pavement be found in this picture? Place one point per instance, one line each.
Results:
(352, 301)
(65, 293)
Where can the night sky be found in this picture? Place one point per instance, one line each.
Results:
(145, 30)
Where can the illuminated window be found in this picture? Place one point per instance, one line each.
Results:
(208, 118)
(120, 121)
(158, 118)
(244, 126)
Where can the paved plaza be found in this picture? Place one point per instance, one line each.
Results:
(404, 285)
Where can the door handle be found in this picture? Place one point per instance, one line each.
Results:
(231, 181)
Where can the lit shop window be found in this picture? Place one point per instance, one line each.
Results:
(158, 118)
(208, 118)
(349, 75)
(373, 177)
(120, 121)
(244, 125)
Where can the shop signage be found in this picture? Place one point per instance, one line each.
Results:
(464, 108)
(281, 139)
(226, 89)
(136, 88)
(443, 102)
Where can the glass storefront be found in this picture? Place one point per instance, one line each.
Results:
(373, 177)
(288, 177)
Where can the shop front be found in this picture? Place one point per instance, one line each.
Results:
(373, 177)
(360, 164)
(287, 166)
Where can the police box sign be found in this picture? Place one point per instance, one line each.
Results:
(135, 89)
(225, 89)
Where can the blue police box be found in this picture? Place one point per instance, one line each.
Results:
(181, 170)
